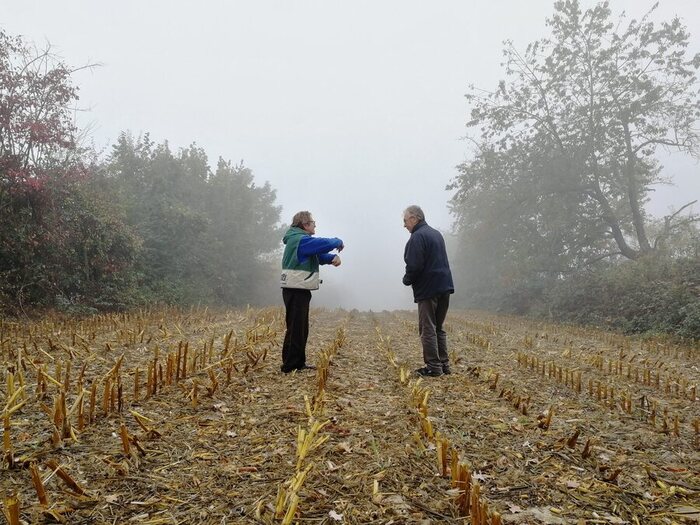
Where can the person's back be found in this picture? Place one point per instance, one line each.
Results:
(427, 265)
(428, 273)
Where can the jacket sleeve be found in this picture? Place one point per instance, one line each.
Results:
(414, 257)
(325, 258)
(309, 246)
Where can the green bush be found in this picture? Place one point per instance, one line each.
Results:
(649, 295)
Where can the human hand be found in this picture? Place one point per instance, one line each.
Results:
(336, 261)
(340, 248)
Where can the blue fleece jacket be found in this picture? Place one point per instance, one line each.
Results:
(320, 246)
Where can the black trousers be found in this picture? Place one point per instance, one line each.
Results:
(296, 303)
(431, 316)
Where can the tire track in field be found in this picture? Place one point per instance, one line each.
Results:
(372, 441)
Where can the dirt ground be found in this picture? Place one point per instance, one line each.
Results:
(556, 424)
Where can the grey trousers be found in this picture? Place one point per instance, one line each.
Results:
(431, 316)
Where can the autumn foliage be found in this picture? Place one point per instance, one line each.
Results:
(143, 225)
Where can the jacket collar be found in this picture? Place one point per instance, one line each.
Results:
(419, 226)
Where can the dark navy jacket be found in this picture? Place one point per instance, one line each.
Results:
(427, 268)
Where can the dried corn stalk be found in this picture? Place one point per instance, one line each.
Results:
(38, 485)
(11, 510)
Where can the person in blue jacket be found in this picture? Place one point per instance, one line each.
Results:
(303, 253)
(428, 272)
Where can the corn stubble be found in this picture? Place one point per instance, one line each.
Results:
(80, 386)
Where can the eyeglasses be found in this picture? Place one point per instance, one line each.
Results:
(311, 222)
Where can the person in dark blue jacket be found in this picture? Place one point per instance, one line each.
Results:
(428, 272)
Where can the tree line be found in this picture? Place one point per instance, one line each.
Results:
(550, 210)
(143, 225)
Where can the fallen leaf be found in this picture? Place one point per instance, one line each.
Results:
(480, 476)
(614, 519)
(687, 511)
(512, 507)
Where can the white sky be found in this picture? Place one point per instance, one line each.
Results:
(352, 110)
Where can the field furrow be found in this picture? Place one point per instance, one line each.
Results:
(185, 417)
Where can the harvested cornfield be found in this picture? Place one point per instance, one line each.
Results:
(184, 417)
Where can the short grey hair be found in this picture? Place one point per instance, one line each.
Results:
(301, 218)
(415, 211)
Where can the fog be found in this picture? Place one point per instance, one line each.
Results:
(352, 110)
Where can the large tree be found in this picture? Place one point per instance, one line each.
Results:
(60, 240)
(566, 152)
(205, 234)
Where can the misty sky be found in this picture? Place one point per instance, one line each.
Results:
(352, 110)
